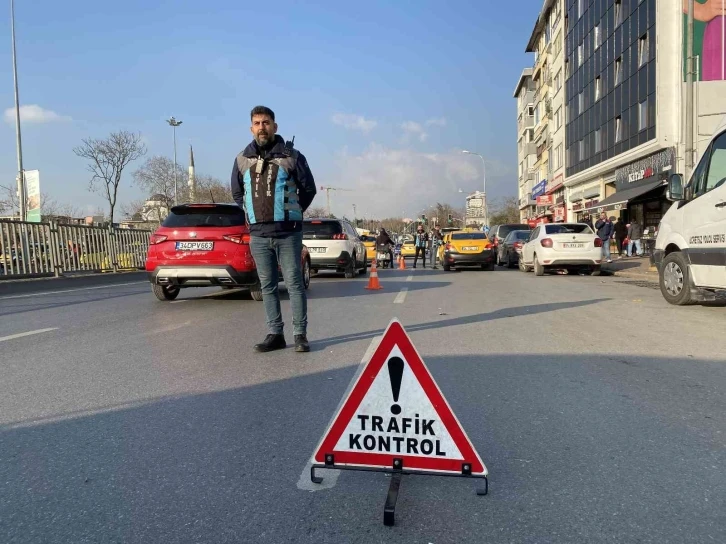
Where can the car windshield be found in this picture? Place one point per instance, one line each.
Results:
(321, 229)
(468, 236)
(368, 238)
(205, 216)
(518, 235)
(568, 229)
(504, 230)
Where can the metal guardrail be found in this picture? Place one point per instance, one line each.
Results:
(49, 249)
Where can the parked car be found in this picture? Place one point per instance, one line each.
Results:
(690, 249)
(408, 249)
(562, 246)
(510, 249)
(334, 245)
(498, 233)
(467, 248)
(202, 245)
(370, 244)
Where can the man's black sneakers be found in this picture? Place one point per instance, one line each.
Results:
(301, 343)
(272, 342)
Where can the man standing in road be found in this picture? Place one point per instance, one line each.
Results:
(273, 184)
(436, 240)
(421, 241)
(605, 230)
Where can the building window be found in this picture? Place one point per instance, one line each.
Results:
(597, 36)
(618, 12)
(643, 50)
(567, 69)
(643, 115)
(558, 81)
(530, 110)
(580, 54)
(598, 140)
(558, 156)
(580, 8)
(618, 71)
(618, 129)
(581, 150)
(580, 103)
(598, 88)
(558, 118)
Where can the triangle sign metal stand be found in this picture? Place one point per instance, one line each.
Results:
(396, 420)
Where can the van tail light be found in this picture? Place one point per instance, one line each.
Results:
(598, 242)
(340, 236)
(546, 242)
(243, 239)
(157, 239)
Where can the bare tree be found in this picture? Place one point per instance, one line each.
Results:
(107, 160)
(156, 177)
(211, 189)
(50, 208)
(9, 204)
(317, 211)
(504, 210)
(133, 208)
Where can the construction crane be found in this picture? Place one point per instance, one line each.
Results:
(327, 192)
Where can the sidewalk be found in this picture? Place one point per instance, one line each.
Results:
(632, 266)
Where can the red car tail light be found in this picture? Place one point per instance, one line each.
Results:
(157, 239)
(243, 239)
(546, 242)
(598, 242)
(340, 237)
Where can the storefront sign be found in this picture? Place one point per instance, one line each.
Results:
(653, 165)
(554, 184)
(545, 200)
(560, 213)
(613, 207)
(577, 206)
(539, 189)
(591, 203)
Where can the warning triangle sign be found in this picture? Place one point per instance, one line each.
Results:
(395, 410)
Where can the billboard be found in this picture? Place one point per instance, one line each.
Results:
(32, 189)
(709, 29)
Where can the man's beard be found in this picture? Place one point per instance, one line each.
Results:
(263, 139)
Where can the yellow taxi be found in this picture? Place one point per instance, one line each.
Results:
(467, 247)
(370, 244)
(408, 249)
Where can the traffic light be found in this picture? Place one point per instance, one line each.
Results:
(423, 219)
(450, 219)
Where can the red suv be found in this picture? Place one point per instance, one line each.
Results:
(202, 245)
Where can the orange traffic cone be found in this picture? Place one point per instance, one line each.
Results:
(373, 278)
(402, 263)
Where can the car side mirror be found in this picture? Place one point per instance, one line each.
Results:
(674, 193)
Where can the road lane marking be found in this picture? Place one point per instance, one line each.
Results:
(330, 477)
(43, 293)
(401, 296)
(179, 301)
(409, 278)
(24, 334)
(168, 328)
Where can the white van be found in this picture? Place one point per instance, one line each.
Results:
(690, 250)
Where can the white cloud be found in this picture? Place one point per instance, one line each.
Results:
(412, 128)
(354, 122)
(388, 182)
(32, 113)
(440, 122)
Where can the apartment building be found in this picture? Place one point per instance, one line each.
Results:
(526, 151)
(548, 77)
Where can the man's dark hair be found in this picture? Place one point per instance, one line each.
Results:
(262, 110)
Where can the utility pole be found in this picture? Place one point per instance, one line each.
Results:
(327, 192)
(22, 193)
(174, 123)
(689, 90)
(355, 217)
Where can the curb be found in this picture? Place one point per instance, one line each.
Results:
(38, 285)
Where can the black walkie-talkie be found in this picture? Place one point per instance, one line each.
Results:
(289, 145)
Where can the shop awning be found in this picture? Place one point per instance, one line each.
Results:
(623, 197)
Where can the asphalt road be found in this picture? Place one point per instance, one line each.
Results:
(598, 409)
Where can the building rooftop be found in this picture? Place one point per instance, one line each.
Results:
(526, 73)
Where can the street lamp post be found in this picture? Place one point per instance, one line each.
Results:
(486, 202)
(22, 195)
(174, 123)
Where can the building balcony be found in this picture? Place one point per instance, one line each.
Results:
(525, 122)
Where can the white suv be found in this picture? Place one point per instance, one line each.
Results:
(334, 245)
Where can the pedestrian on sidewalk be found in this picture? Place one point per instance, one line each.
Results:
(621, 233)
(421, 241)
(273, 184)
(635, 233)
(605, 231)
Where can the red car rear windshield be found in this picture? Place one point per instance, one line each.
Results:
(204, 216)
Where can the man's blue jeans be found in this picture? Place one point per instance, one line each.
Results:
(267, 252)
(606, 248)
(637, 248)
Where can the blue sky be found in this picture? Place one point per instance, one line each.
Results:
(381, 98)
